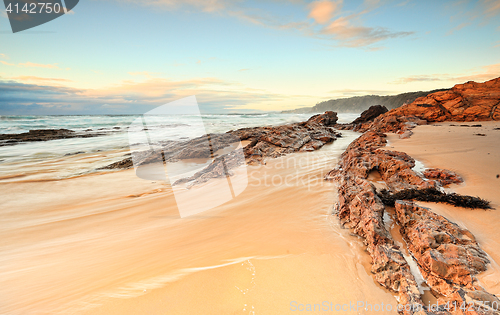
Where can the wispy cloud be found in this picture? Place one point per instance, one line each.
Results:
(458, 28)
(351, 35)
(325, 18)
(482, 74)
(469, 13)
(6, 63)
(29, 64)
(40, 79)
(491, 7)
(38, 65)
(241, 70)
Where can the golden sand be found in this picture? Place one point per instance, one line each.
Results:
(115, 244)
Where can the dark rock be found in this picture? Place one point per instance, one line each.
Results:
(79, 152)
(329, 118)
(42, 135)
(123, 164)
(370, 114)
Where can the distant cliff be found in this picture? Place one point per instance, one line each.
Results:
(358, 104)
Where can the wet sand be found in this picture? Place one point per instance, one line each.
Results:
(477, 159)
(112, 243)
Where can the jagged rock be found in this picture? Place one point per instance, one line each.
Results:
(370, 114)
(444, 177)
(329, 118)
(364, 155)
(360, 209)
(448, 256)
(265, 142)
(470, 101)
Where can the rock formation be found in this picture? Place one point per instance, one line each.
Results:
(470, 101)
(264, 142)
(448, 257)
(370, 114)
(43, 135)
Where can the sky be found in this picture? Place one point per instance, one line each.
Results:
(130, 56)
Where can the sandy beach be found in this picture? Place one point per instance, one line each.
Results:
(112, 243)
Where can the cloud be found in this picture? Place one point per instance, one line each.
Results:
(6, 63)
(323, 11)
(420, 78)
(241, 70)
(346, 31)
(491, 7)
(473, 13)
(37, 65)
(132, 97)
(40, 79)
(458, 27)
(4, 56)
(484, 73)
(358, 36)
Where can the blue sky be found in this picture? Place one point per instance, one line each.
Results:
(128, 56)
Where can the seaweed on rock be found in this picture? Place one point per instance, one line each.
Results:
(433, 195)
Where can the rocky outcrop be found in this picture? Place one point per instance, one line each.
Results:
(447, 255)
(470, 101)
(43, 135)
(264, 142)
(366, 154)
(362, 210)
(329, 118)
(370, 114)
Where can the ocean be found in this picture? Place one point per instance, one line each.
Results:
(58, 159)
